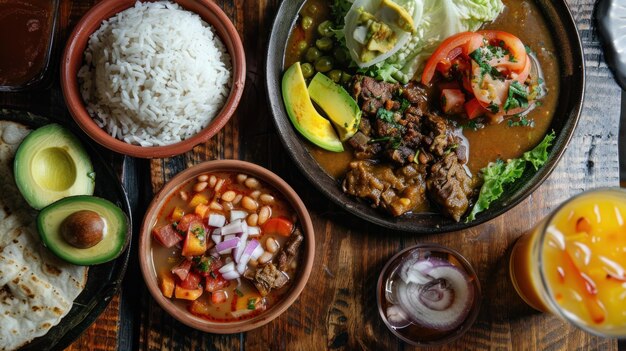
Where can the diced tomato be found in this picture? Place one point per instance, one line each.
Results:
(490, 92)
(219, 296)
(187, 294)
(452, 47)
(474, 109)
(523, 75)
(182, 270)
(192, 281)
(166, 284)
(167, 235)
(195, 241)
(452, 101)
(278, 225)
(214, 284)
(202, 210)
(517, 52)
(183, 224)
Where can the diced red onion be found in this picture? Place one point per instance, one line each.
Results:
(229, 267)
(216, 238)
(433, 293)
(238, 251)
(229, 236)
(217, 231)
(213, 252)
(245, 256)
(254, 231)
(233, 227)
(232, 275)
(237, 214)
(258, 251)
(225, 246)
(396, 317)
(216, 220)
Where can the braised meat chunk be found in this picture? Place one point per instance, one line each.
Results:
(397, 192)
(269, 277)
(290, 251)
(449, 186)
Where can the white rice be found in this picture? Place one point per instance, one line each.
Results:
(154, 74)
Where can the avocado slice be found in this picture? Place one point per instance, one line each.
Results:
(340, 107)
(51, 164)
(115, 236)
(302, 113)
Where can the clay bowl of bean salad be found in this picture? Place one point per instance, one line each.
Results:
(226, 246)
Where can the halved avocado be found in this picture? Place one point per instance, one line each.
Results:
(115, 235)
(51, 164)
(340, 107)
(302, 113)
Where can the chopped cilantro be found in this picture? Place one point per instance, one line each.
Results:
(521, 121)
(395, 142)
(199, 232)
(493, 107)
(518, 97)
(385, 115)
(238, 292)
(404, 104)
(252, 303)
(474, 125)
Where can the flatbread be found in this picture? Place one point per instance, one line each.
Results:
(36, 288)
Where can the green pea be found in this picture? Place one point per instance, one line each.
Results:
(335, 75)
(345, 77)
(325, 29)
(312, 9)
(340, 54)
(324, 44)
(301, 46)
(307, 70)
(307, 22)
(312, 54)
(324, 64)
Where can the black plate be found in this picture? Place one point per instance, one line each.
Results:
(572, 85)
(103, 280)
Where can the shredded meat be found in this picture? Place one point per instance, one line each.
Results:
(397, 133)
(269, 277)
(290, 250)
(449, 186)
(397, 192)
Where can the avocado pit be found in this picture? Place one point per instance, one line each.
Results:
(83, 229)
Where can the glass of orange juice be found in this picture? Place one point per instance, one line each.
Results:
(573, 263)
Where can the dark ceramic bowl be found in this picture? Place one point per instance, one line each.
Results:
(73, 60)
(104, 280)
(572, 86)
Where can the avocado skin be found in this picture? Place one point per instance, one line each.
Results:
(56, 140)
(114, 242)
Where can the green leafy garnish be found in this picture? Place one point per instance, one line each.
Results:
(497, 174)
(385, 115)
(199, 232)
(251, 303)
(238, 292)
(518, 97)
(522, 121)
(92, 176)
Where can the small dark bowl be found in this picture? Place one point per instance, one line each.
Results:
(572, 86)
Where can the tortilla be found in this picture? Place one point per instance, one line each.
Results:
(36, 288)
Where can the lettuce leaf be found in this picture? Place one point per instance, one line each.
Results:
(498, 174)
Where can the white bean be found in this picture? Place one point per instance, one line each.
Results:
(266, 198)
(241, 178)
(255, 194)
(218, 184)
(264, 214)
(249, 204)
(252, 183)
(215, 206)
(229, 196)
(212, 181)
(200, 186)
(203, 178)
(265, 257)
(253, 219)
(183, 195)
(271, 245)
(237, 199)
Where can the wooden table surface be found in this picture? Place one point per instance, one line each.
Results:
(338, 310)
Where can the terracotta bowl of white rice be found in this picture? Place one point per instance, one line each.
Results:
(153, 79)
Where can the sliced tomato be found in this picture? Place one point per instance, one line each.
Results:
(213, 284)
(517, 52)
(192, 281)
(523, 75)
(491, 93)
(219, 296)
(449, 49)
(452, 101)
(474, 109)
(278, 225)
